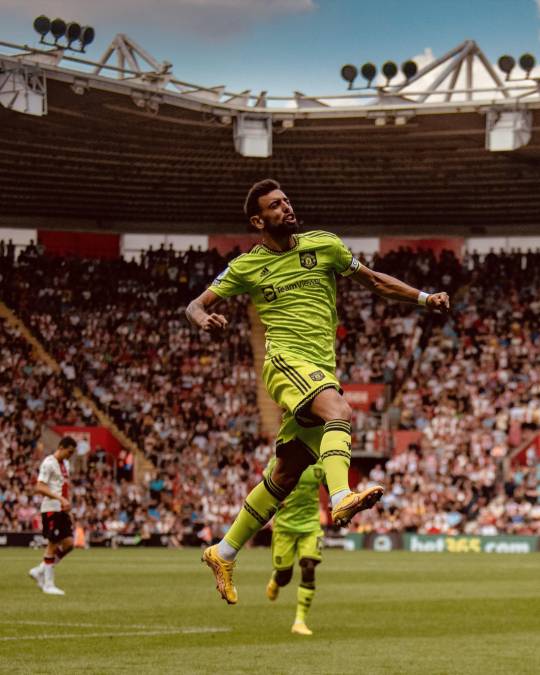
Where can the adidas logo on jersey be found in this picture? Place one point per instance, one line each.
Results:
(265, 271)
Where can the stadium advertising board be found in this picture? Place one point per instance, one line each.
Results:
(430, 543)
(36, 540)
(434, 543)
(373, 542)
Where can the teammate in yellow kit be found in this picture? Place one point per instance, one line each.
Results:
(291, 279)
(297, 533)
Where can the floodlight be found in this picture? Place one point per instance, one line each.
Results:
(389, 70)
(42, 25)
(58, 29)
(253, 135)
(506, 64)
(409, 69)
(527, 62)
(369, 71)
(87, 36)
(73, 32)
(349, 73)
(508, 130)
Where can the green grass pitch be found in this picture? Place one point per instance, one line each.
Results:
(156, 611)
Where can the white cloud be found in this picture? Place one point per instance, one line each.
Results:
(209, 18)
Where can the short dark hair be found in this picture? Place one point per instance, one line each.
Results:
(263, 187)
(67, 442)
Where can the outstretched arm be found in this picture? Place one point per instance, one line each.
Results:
(198, 316)
(391, 288)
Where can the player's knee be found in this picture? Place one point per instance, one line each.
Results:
(308, 570)
(282, 577)
(287, 473)
(341, 410)
(330, 405)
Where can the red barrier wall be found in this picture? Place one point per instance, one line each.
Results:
(226, 242)
(361, 396)
(404, 438)
(80, 244)
(388, 244)
(96, 436)
(521, 457)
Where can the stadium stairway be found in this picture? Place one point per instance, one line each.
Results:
(270, 412)
(143, 466)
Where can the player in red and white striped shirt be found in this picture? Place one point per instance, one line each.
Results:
(53, 484)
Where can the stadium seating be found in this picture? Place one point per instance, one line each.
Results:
(469, 385)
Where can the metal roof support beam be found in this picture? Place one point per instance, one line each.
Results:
(128, 51)
(469, 77)
(23, 89)
(453, 81)
(492, 72)
(435, 64)
(455, 64)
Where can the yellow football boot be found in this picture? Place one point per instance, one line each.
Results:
(355, 502)
(272, 590)
(300, 628)
(223, 571)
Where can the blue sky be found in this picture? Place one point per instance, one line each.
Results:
(286, 45)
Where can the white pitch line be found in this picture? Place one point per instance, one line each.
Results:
(152, 633)
(90, 625)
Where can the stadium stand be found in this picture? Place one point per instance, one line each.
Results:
(474, 394)
(468, 386)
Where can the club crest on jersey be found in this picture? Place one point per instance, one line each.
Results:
(317, 376)
(318, 473)
(308, 259)
(269, 293)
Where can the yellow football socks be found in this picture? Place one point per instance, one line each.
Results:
(257, 510)
(336, 455)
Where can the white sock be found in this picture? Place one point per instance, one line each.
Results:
(49, 575)
(226, 551)
(335, 499)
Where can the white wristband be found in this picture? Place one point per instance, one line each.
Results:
(422, 298)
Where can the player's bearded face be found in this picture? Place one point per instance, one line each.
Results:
(277, 214)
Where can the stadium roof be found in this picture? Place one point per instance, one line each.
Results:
(134, 149)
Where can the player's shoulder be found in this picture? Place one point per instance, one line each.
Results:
(245, 264)
(245, 260)
(318, 237)
(47, 462)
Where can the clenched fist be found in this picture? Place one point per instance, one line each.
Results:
(213, 322)
(438, 301)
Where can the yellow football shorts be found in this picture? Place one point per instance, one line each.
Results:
(287, 546)
(293, 384)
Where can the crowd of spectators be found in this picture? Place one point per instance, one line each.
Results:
(118, 330)
(470, 386)
(473, 393)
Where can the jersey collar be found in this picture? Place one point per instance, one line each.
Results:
(293, 248)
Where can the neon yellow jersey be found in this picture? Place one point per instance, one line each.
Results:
(299, 512)
(294, 293)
